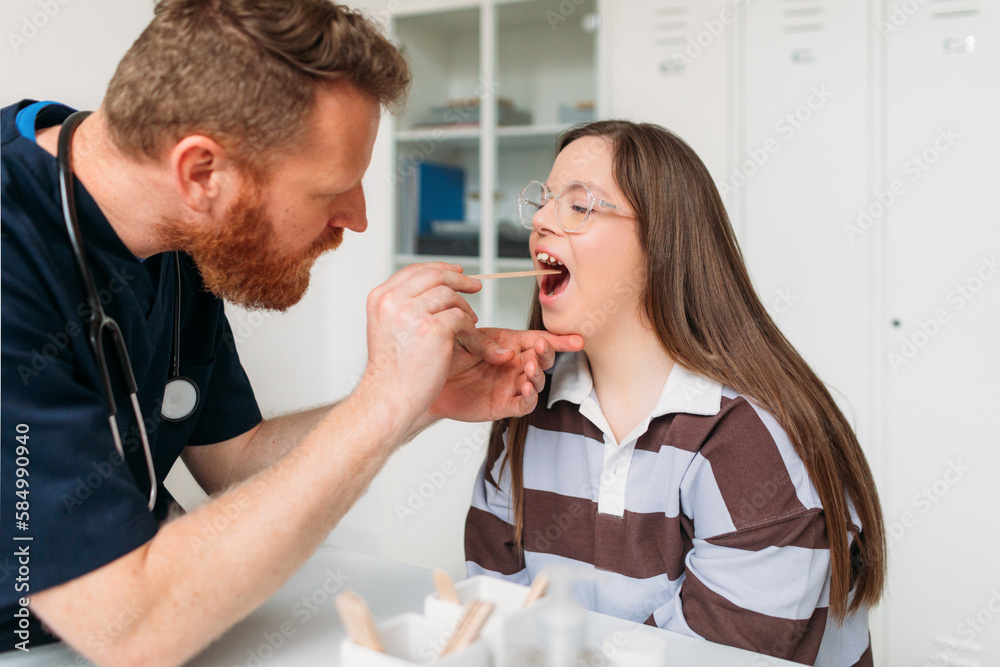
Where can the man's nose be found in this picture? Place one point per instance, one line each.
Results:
(353, 215)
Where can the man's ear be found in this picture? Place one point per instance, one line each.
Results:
(202, 171)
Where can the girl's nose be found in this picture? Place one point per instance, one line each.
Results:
(545, 219)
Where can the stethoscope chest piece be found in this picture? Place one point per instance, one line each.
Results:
(180, 398)
(180, 395)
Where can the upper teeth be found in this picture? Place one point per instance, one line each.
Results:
(544, 257)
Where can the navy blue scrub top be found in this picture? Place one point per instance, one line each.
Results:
(85, 507)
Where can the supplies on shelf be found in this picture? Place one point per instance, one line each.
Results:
(510, 244)
(466, 111)
(433, 199)
(581, 112)
(434, 216)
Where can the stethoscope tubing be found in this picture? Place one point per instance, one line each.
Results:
(99, 320)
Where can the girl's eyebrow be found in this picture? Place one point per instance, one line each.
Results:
(596, 189)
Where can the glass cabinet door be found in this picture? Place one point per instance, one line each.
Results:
(482, 120)
(438, 137)
(546, 83)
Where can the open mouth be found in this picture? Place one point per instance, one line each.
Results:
(553, 284)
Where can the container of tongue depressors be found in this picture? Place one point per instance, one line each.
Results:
(410, 640)
(507, 598)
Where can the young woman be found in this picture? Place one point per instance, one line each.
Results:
(688, 452)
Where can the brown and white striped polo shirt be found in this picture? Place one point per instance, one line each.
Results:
(702, 521)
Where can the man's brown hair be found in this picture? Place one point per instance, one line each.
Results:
(243, 72)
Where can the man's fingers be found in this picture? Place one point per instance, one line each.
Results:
(457, 321)
(534, 375)
(416, 279)
(484, 347)
(545, 352)
(406, 274)
(562, 343)
(521, 405)
(442, 298)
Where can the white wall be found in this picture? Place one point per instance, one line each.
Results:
(65, 50)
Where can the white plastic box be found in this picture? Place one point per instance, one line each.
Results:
(507, 597)
(412, 639)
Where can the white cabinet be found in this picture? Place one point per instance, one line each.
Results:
(856, 147)
(670, 63)
(942, 243)
(773, 96)
(801, 172)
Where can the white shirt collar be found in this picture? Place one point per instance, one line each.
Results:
(684, 390)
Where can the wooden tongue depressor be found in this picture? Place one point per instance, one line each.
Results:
(516, 274)
(445, 588)
(537, 590)
(358, 621)
(469, 626)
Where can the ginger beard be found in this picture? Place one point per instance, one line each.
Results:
(240, 260)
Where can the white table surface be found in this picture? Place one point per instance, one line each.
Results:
(302, 622)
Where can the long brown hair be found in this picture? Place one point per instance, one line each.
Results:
(699, 300)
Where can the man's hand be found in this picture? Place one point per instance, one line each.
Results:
(427, 359)
(497, 373)
(413, 320)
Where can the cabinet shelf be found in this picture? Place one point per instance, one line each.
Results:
(508, 136)
(469, 134)
(530, 136)
(530, 131)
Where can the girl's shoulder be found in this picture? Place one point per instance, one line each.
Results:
(743, 457)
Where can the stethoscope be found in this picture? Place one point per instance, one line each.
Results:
(180, 395)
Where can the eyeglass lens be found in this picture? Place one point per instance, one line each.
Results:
(572, 205)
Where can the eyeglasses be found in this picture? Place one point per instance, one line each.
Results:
(574, 204)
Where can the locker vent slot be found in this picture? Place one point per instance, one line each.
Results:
(803, 16)
(955, 9)
(670, 25)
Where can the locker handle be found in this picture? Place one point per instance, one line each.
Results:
(805, 56)
(674, 65)
(954, 45)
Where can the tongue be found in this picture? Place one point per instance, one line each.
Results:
(554, 283)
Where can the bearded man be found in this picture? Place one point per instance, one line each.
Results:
(226, 156)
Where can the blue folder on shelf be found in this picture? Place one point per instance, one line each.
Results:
(440, 194)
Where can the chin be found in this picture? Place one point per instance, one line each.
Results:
(558, 325)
